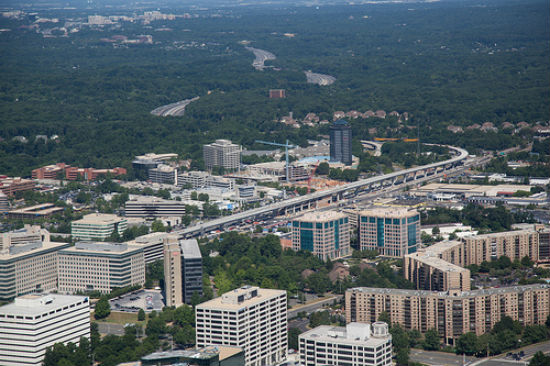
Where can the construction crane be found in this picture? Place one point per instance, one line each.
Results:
(286, 146)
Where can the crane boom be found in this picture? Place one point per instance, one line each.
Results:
(286, 146)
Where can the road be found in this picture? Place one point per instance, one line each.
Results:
(308, 308)
(503, 360)
(174, 109)
(261, 57)
(437, 358)
(319, 79)
(274, 208)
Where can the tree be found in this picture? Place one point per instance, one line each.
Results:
(431, 340)
(435, 230)
(467, 344)
(322, 169)
(402, 357)
(158, 227)
(293, 334)
(102, 308)
(194, 196)
(203, 197)
(384, 317)
(141, 315)
(526, 262)
(540, 359)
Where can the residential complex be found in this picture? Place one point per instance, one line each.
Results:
(97, 226)
(392, 232)
(249, 317)
(223, 154)
(152, 207)
(428, 271)
(451, 313)
(340, 142)
(28, 263)
(92, 266)
(356, 344)
(33, 323)
(182, 270)
(512, 244)
(325, 234)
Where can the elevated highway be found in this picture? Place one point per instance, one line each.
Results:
(332, 195)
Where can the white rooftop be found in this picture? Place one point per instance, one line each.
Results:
(38, 304)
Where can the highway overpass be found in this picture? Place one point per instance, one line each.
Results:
(334, 194)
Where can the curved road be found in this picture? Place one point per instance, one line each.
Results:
(278, 206)
(261, 57)
(174, 109)
(319, 79)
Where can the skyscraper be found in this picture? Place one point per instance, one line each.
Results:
(182, 270)
(340, 142)
(223, 154)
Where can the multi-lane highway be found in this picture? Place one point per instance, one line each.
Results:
(261, 57)
(319, 79)
(351, 188)
(173, 109)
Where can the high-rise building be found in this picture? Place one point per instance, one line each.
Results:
(354, 345)
(163, 174)
(451, 313)
(95, 266)
(325, 234)
(340, 142)
(512, 244)
(392, 232)
(97, 226)
(249, 317)
(33, 323)
(223, 154)
(182, 270)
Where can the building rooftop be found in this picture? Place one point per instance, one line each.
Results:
(453, 294)
(498, 235)
(241, 298)
(190, 249)
(38, 304)
(153, 156)
(99, 219)
(42, 209)
(388, 212)
(85, 247)
(203, 353)
(33, 250)
(321, 216)
(152, 199)
(433, 260)
(353, 333)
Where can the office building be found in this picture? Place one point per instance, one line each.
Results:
(4, 203)
(152, 207)
(544, 246)
(65, 171)
(252, 318)
(223, 154)
(163, 174)
(277, 93)
(94, 266)
(28, 263)
(32, 323)
(198, 179)
(428, 271)
(451, 313)
(392, 232)
(340, 142)
(142, 163)
(9, 186)
(325, 234)
(35, 212)
(152, 244)
(97, 226)
(353, 345)
(182, 270)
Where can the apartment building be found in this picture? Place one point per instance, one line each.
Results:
(32, 323)
(356, 344)
(451, 313)
(28, 262)
(97, 226)
(512, 244)
(153, 207)
(182, 270)
(249, 317)
(428, 271)
(392, 232)
(94, 266)
(223, 154)
(325, 234)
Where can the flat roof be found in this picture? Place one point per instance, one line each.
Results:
(388, 212)
(331, 334)
(433, 260)
(503, 233)
(190, 249)
(110, 249)
(321, 216)
(263, 294)
(38, 304)
(46, 247)
(99, 219)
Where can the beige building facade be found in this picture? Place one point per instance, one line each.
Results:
(451, 313)
(172, 272)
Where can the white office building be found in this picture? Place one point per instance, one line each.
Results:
(249, 317)
(223, 154)
(354, 345)
(33, 323)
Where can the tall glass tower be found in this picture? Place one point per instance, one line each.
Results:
(340, 142)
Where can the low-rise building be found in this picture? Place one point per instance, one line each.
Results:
(35, 212)
(164, 174)
(9, 186)
(205, 356)
(153, 207)
(97, 226)
(356, 344)
(325, 234)
(91, 266)
(32, 323)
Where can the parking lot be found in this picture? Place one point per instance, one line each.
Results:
(148, 300)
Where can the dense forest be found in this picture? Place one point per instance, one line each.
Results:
(443, 63)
